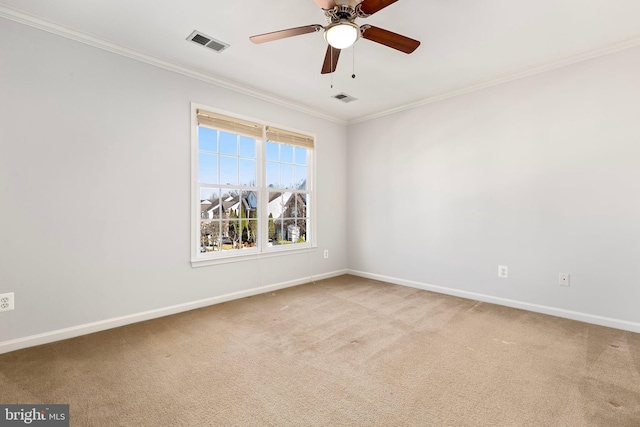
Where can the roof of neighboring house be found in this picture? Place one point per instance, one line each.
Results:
(230, 203)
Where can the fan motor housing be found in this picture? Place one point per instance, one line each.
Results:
(341, 12)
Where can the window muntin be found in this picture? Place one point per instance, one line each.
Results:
(253, 188)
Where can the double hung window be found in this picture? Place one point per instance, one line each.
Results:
(252, 188)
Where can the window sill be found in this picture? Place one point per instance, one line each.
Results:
(251, 256)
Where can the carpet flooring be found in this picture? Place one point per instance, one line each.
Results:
(346, 351)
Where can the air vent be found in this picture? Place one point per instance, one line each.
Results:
(344, 97)
(210, 42)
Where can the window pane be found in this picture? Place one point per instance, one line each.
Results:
(291, 206)
(300, 209)
(303, 206)
(234, 235)
(228, 233)
(207, 139)
(294, 231)
(209, 203)
(302, 224)
(228, 143)
(227, 197)
(300, 156)
(207, 194)
(248, 172)
(281, 235)
(207, 168)
(251, 233)
(287, 176)
(277, 204)
(228, 170)
(247, 147)
(245, 231)
(301, 177)
(209, 236)
(286, 153)
(251, 203)
(272, 152)
(271, 233)
(273, 175)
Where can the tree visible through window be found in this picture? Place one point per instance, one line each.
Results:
(253, 187)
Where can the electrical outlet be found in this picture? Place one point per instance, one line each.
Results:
(563, 279)
(503, 271)
(326, 253)
(6, 301)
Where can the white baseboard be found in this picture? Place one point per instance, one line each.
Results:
(553, 311)
(89, 328)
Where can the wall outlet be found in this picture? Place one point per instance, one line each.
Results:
(563, 279)
(503, 271)
(6, 301)
(326, 253)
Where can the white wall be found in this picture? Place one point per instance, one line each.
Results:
(95, 187)
(541, 175)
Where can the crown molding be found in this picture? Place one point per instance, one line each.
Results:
(82, 37)
(530, 71)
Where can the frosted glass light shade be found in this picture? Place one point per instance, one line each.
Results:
(342, 34)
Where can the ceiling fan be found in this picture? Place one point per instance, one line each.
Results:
(342, 31)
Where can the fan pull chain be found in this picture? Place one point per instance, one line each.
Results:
(332, 69)
(353, 76)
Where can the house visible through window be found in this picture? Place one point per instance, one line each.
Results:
(252, 187)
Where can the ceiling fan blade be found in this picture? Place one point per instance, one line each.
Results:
(326, 4)
(330, 60)
(277, 35)
(388, 38)
(370, 7)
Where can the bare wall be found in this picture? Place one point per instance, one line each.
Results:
(541, 175)
(95, 187)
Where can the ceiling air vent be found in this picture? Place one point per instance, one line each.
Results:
(344, 97)
(210, 42)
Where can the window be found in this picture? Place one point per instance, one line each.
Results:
(252, 188)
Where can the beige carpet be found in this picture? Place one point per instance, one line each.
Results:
(341, 352)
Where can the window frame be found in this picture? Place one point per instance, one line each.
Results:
(262, 250)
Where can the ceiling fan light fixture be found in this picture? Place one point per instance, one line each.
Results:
(342, 34)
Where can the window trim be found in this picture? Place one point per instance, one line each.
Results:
(262, 250)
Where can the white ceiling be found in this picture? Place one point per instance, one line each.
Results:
(466, 44)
